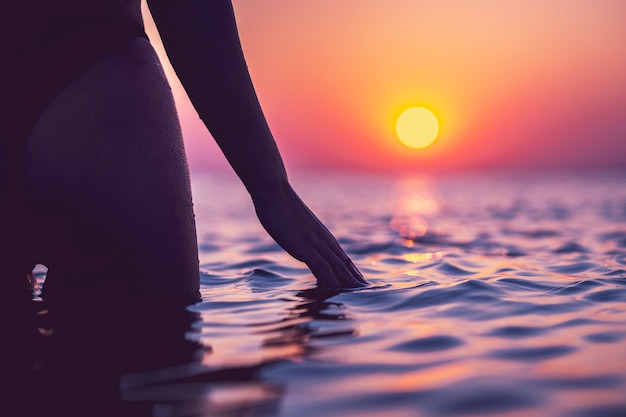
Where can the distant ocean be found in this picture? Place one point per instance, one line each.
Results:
(495, 293)
(491, 294)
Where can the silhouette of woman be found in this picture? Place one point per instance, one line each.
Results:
(94, 181)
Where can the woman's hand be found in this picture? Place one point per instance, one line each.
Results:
(299, 232)
(202, 43)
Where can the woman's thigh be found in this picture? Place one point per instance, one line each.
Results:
(108, 184)
(14, 261)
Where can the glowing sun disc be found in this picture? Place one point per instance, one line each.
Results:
(417, 128)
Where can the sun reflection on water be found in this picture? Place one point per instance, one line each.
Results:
(485, 298)
(413, 202)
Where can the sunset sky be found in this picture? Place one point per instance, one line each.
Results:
(523, 84)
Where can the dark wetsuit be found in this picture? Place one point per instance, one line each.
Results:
(45, 45)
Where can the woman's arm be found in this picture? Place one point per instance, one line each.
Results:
(202, 43)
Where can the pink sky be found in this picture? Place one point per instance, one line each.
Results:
(535, 83)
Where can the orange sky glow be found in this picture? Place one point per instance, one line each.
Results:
(522, 84)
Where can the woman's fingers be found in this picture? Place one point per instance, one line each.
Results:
(356, 274)
(296, 228)
(343, 270)
(324, 273)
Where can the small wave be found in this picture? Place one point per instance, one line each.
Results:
(616, 272)
(516, 332)
(609, 410)
(621, 281)
(517, 283)
(453, 270)
(261, 280)
(513, 251)
(571, 247)
(251, 263)
(619, 237)
(535, 233)
(618, 255)
(370, 248)
(527, 308)
(558, 212)
(263, 273)
(229, 305)
(393, 260)
(469, 292)
(208, 247)
(607, 296)
(428, 344)
(509, 213)
(573, 268)
(532, 354)
(208, 279)
(263, 248)
(485, 400)
(605, 337)
(577, 287)
(601, 381)
(477, 286)
(581, 321)
(384, 298)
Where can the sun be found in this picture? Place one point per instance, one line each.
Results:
(417, 127)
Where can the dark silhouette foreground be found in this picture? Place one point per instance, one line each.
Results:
(94, 182)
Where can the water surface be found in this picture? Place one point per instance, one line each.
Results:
(490, 294)
(494, 293)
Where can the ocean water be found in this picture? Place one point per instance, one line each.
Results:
(490, 294)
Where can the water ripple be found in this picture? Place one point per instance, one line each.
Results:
(487, 400)
(488, 296)
(600, 381)
(450, 269)
(606, 337)
(469, 291)
(607, 296)
(571, 247)
(577, 287)
(532, 354)
(428, 344)
(573, 268)
(517, 332)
